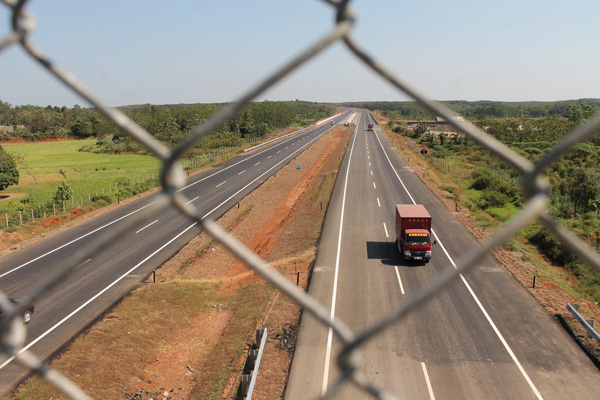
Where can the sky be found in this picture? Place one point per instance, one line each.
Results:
(213, 51)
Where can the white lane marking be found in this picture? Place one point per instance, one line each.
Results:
(431, 396)
(287, 147)
(222, 183)
(386, 232)
(371, 173)
(62, 321)
(374, 187)
(150, 224)
(147, 258)
(399, 280)
(194, 199)
(369, 163)
(73, 241)
(483, 310)
(304, 136)
(257, 163)
(279, 152)
(336, 273)
(239, 173)
(378, 203)
(269, 157)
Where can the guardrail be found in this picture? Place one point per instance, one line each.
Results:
(588, 327)
(251, 366)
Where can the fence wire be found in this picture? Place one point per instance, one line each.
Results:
(172, 177)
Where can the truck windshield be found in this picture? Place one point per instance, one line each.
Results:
(417, 238)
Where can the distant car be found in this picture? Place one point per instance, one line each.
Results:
(26, 314)
(332, 123)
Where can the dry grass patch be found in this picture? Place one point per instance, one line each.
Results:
(105, 360)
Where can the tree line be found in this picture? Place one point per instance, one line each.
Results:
(574, 178)
(167, 123)
(477, 109)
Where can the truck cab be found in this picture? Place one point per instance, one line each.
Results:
(415, 245)
(413, 232)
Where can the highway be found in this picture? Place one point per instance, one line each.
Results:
(484, 337)
(103, 280)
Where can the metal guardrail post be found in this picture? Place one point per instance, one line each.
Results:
(583, 322)
(261, 335)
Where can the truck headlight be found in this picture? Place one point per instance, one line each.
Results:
(428, 253)
(407, 253)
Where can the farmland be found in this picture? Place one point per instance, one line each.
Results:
(43, 166)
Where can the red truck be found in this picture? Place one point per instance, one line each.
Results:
(413, 232)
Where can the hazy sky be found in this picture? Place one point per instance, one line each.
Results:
(203, 51)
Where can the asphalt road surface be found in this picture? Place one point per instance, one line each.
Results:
(101, 281)
(484, 337)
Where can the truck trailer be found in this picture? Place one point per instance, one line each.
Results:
(413, 232)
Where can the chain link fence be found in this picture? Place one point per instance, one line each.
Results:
(172, 178)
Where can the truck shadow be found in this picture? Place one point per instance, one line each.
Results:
(388, 253)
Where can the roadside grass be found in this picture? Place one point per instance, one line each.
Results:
(247, 307)
(490, 219)
(104, 360)
(44, 166)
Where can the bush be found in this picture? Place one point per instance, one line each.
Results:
(484, 179)
(102, 199)
(494, 198)
(549, 245)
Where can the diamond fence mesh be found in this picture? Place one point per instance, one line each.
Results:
(535, 188)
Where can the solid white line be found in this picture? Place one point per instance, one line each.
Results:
(239, 173)
(62, 321)
(150, 224)
(194, 199)
(73, 241)
(135, 211)
(399, 280)
(143, 261)
(386, 232)
(431, 396)
(483, 310)
(222, 183)
(336, 273)
(378, 203)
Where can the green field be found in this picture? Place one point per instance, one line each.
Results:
(43, 166)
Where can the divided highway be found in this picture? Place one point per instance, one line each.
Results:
(484, 337)
(103, 280)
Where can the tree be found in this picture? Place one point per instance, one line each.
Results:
(9, 174)
(82, 128)
(63, 193)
